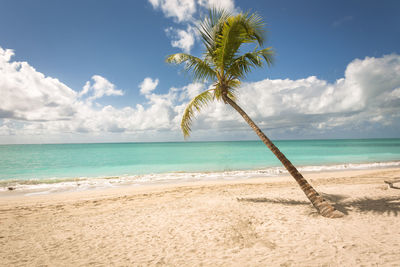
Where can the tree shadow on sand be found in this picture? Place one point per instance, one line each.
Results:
(384, 205)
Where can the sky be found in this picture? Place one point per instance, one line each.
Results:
(94, 71)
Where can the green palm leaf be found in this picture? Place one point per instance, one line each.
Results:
(229, 41)
(194, 107)
(237, 30)
(200, 68)
(243, 64)
(211, 27)
(255, 27)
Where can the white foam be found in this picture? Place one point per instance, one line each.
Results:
(161, 178)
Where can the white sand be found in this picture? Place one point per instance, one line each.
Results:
(194, 224)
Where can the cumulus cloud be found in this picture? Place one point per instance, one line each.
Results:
(225, 4)
(184, 10)
(191, 90)
(36, 106)
(180, 10)
(183, 39)
(99, 88)
(29, 95)
(148, 85)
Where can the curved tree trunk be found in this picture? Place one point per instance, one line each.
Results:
(323, 207)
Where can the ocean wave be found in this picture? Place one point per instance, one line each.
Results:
(54, 185)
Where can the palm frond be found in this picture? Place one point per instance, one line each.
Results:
(232, 94)
(243, 64)
(217, 92)
(195, 105)
(236, 31)
(211, 27)
(268, 55)
(255, 27)
(229, 41)
(200, 68)
(234, 83)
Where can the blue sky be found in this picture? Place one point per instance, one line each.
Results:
(124, 42)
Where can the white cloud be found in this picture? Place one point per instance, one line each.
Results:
(225, 4)
(155, 3)
(184, 10)
(99, 88)
(36, 108)
(180, 10)
(182, 39)
(28, 95)
(191, 90)
(148, 85)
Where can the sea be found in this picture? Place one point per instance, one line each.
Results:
(46, 168)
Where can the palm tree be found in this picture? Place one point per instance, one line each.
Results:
(223, 35)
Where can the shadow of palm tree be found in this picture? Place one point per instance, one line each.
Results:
(275, 200)
(382, 205)
(385, 205)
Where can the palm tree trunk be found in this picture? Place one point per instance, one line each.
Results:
(323, 207)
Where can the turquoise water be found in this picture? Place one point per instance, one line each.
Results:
(118, 159)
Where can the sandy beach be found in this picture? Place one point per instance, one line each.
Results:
(255, 222)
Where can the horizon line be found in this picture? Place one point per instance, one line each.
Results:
(202, 141)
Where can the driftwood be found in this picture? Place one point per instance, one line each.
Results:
(391, 182)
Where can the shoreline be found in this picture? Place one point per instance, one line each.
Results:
(254, 222)
(59, 185)
(325, 178)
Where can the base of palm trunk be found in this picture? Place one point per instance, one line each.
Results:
(334, 214)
